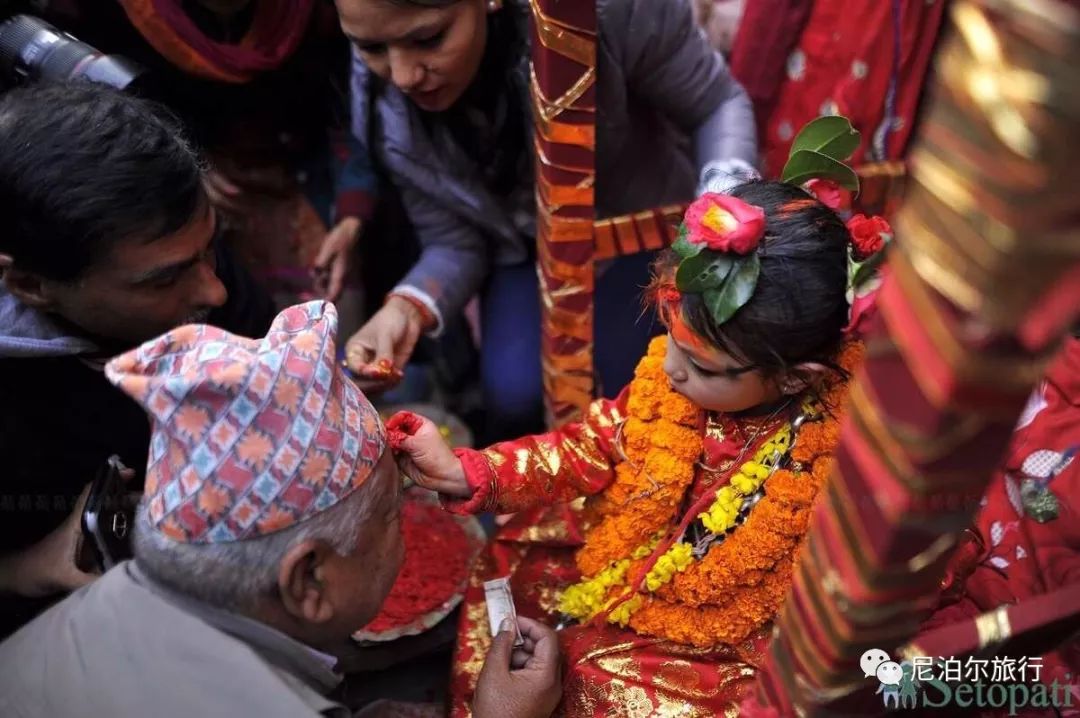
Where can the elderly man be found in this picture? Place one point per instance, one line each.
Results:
(269, 531)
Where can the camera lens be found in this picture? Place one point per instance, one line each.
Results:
(31, 49)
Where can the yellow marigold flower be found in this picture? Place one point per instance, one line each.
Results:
(682, 554)
(745, 484)
(585, 599)
(676, 559)
(621, 613)
(754, 470)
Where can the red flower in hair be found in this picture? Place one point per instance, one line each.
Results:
(868, 235)
(829, 193)
(724, 223)
(862, 311)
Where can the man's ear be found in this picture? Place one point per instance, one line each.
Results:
(28, 287)
(301, 582)
(801, 376)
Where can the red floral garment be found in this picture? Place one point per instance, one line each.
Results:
(841, 60)
(1008, 556)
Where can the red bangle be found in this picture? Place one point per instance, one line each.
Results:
(427, 318)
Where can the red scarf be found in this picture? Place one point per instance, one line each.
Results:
(275, 33)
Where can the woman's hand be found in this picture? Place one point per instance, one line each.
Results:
(388, 339)
(424, 456)
(332, 263)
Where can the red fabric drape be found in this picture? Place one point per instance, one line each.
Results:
(275, 33)
(768, 32)
(799, 60)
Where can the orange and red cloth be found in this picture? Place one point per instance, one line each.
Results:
(276, 30)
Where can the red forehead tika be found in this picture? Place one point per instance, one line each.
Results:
(681, 332)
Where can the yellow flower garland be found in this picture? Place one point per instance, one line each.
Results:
(677, 558)
(721, 516)
(589, 598)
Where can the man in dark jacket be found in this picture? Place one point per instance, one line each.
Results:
(108, 240)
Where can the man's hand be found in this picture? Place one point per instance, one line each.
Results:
(521, 683)
(332, 263)
(424, 456)
(389, 336)
(48, 567)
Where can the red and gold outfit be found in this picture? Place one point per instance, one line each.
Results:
(693, 645)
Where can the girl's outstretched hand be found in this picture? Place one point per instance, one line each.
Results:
(424, 456)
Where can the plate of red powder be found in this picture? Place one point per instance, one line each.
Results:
(439, 548)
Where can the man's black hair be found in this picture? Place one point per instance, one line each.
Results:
(83, 166)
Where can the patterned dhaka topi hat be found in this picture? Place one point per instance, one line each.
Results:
(250, 436)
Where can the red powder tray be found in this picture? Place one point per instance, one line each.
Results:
(439, 551)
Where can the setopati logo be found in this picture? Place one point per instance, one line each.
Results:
(999, 682)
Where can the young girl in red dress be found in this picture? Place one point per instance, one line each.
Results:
(700, 476)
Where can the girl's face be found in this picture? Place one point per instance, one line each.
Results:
(716, 381)
(430, 54)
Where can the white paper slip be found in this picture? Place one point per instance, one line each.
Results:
(500, 606)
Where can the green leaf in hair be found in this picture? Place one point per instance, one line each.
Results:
(806, 165)
(685, 248)
(831, 135)
(704, 271)
(735, 291)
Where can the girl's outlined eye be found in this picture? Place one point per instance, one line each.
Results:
(733, 373)
(698, 369)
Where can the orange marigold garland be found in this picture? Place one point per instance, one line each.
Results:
(662, 442)
(740, 583)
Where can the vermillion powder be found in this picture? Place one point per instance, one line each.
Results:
(437, 552)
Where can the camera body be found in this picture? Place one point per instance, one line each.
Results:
(107, 520)
(32, 49)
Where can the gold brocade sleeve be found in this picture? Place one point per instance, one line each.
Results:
(575, 460)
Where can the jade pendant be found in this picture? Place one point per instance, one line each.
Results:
(1039, 501)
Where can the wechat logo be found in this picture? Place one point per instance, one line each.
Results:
(898, 685)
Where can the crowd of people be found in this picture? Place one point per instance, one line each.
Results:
(319, 209)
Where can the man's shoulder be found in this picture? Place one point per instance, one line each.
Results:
(115, 646)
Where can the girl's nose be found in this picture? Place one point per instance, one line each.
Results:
(676, 375)
(673, 370)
